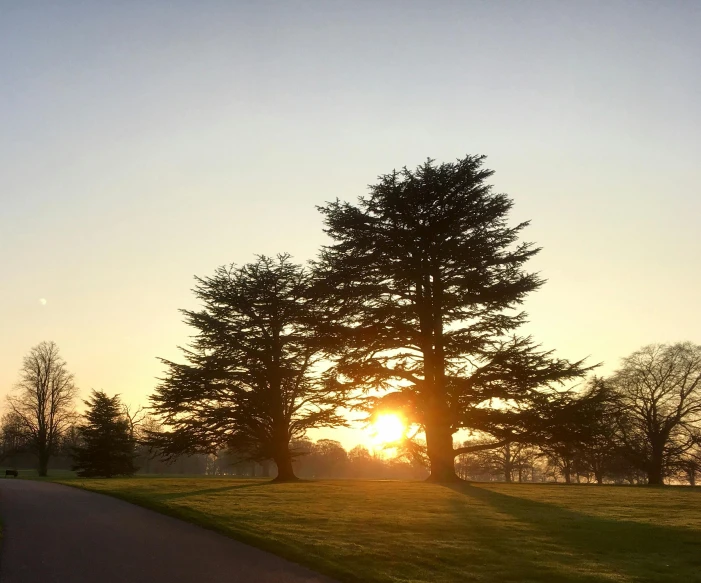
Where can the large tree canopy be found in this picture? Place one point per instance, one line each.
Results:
(424, 278)
(659, 391)
(251, 382)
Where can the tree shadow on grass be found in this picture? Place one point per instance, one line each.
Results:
(582, 547)
(190, 493)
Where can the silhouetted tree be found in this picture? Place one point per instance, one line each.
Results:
(146, 454)
(600, 452)
(251, 380)
(688, 465)
(509, 462)
(14, 436)
(43, 400)
(70, 439)
(329, 459)
(362, 464)
(135, 416)
(659, 388)
(422, 278)
(564, 426)
(106, 447)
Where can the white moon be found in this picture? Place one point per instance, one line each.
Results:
(42, 301)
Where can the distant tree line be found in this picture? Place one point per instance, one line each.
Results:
(609, 433)
(641, 425)
(414, 308)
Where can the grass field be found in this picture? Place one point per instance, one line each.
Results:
(418, 532)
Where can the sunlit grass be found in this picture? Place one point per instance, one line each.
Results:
(418, 532)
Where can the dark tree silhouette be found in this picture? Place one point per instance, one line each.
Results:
(688, 465)
(106, 447)
(135, 418)
(565, 426)
(508, 462)
(423, 279)
(600, 453)
(659, 388)
(251, 380)
(14, 437)
(43, 401)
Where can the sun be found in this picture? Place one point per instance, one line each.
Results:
(387, 428)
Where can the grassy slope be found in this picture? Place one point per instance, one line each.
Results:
(418, 532)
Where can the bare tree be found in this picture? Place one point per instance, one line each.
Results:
(659, 388)
(688, 467)
(135, 417)
(43, 400)
(13, 436)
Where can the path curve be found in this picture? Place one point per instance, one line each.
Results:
(57, 534)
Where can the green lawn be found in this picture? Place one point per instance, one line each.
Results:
(374, 531)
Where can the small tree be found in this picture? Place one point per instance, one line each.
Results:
(659, 388)
(107, 448)
(43, 400)
(251, 383)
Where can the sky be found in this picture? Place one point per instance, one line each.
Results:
(143, 143)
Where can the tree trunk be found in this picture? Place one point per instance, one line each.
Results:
(654, 470)
(43, 464)
(285, 472)
(567, 473)
(654, 475)
(508, 467)
(439, 444)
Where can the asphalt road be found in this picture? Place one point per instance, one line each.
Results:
(53, 533)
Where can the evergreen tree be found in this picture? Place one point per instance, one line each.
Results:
(251, 383)
(424, 278)
(107, 448)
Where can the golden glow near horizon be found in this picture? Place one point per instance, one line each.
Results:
(387, 428)
(137, 158)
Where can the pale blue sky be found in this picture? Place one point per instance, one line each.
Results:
(142, 143)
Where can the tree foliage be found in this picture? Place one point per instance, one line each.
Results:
(567, 427)
(13, 435)
(251, 380)
(424, 278)
(107, 447)
(659, 390)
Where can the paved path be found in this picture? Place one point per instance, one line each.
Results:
(57, 534)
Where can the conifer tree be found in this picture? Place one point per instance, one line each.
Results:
(107, 448)
(251, 382)
(424, 279)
